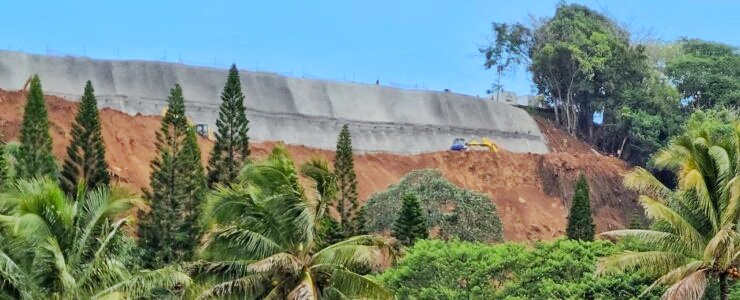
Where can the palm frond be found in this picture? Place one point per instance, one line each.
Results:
(357, 286)
(664, 241)
(365, 250)
(693, 179)
(674, 276)
(643, 182)
(672, 156)
(99, 253)
(12, 274)
(724, 173)
(660, 212)
(731, 213)
(281, 262)
(691, 287)
(306, 289)
(651, 262)
(142, 283)
(721, 247)
(244, 242)
(251, 285)
(55, 257)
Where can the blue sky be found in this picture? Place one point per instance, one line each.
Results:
(431, 44)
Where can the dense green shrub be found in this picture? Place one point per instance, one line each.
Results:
(451, 211)
(560, 269)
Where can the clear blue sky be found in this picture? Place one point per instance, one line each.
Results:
(429, 43)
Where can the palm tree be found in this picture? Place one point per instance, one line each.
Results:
(695, 230)
(52, 247)
(263, 239)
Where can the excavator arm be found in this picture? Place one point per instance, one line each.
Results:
(25, 85)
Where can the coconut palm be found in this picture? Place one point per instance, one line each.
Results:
(52, 247)
(263, 239)
(695, 232)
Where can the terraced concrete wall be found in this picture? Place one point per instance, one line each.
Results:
(294, 110)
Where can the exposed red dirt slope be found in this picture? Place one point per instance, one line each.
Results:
(531, 191)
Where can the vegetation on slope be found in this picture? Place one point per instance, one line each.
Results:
(453, 212)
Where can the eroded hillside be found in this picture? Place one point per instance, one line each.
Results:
(531, 191)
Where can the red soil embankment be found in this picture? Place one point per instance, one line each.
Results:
(532, 192)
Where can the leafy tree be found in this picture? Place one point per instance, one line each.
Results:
(457, 212)
(580, 220)
(167, 231)
(576, 58)
(263, 241)
(36, 158)
(53, 247)
(693, 240)
(232, 143)
(560, 269)
(706, 73)
(344, 167)
(587, 68)
(85, 161)
(411, 224)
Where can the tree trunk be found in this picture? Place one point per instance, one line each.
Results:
(557, 116)
(724, 287)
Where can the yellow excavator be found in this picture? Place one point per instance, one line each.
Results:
(200, 129)
(485, 143)
(460, 145)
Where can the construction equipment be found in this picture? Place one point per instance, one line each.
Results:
(485, 143)
(458, 145)
(25, 85)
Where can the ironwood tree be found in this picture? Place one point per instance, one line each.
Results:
(344, 169)
(231, 149)
(169, 231)
(36, 158)
(85, 164)
(411, 224)
(580, 220)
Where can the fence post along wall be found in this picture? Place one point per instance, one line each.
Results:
(293, 110)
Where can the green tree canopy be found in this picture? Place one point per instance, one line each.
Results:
(457, 213)
(36, 158)
(168, 230)
(231, 149)
(580, 220)
(263, 244)
(54, 247)
(344, 168)
(411, 224)
(587, 67)
(561, 269)
(706, 73)
(85, 163)
(693, 240)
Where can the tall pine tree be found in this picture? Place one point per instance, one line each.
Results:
(580, 221)
(168, 232)
(232, 143)
(344, 168)
(4, 167)
(194, 176)
(411, 223)
(36, 158)
(85, 161)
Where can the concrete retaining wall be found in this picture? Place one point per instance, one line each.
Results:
(294, 110)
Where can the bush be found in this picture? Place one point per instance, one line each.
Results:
(451, 212)
(560, 269)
